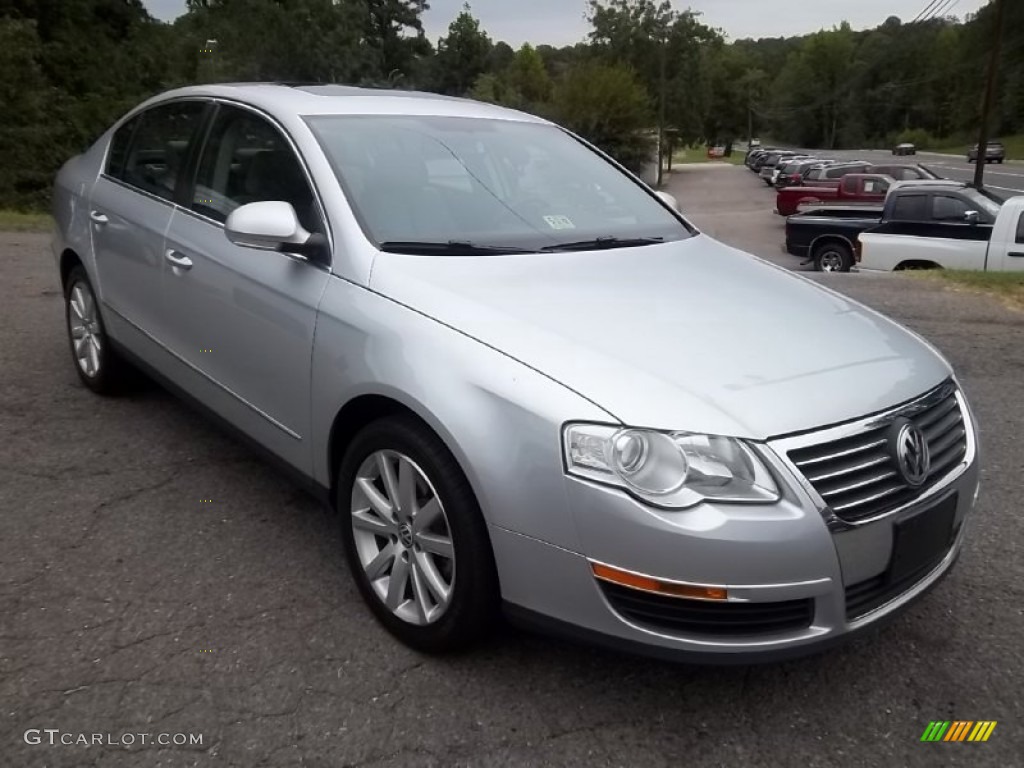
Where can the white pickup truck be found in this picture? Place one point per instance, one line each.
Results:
(949, 225)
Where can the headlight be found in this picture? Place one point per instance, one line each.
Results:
(668, 469)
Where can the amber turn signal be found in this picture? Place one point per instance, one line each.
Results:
(647, 584)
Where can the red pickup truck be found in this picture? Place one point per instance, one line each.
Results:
(854, 188)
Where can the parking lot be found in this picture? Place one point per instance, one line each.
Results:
(156, 577)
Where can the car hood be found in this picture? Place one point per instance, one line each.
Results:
(690, 335)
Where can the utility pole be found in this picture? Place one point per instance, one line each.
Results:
(750, 120)
(990, 88)
(661, 108)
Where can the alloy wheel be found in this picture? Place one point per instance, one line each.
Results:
(83, 322)
(402, 537)
(831, 261)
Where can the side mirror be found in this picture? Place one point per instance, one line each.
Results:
(270, 225)
(971, 217)
(669, 200)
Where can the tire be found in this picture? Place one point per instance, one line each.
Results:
(446, 604)
(98, 366)
(833, 256)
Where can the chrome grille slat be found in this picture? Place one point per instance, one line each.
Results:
(875, 497)
(847, 470)
(933, 414)
(861, 484)
(839, 454)
(951, 438)
(944, 460)
(857, 476)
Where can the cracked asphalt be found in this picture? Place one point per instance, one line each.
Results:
(130, 605)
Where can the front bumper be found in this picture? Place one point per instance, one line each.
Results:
(797, 581)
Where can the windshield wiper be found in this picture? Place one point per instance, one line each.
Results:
(448, 248)
(602, 243)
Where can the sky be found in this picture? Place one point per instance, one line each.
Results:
(562, 22)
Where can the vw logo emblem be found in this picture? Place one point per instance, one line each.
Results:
(910, 447)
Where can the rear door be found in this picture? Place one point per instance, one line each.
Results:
(131, 207)
(246, 317)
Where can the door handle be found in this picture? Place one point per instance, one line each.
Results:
(98, 217)
(1018, 254)
(178, 259)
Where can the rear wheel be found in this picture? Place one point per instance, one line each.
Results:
(414, 537)
(833, 257)
(99, 367)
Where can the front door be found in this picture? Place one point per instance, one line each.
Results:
(245, 318)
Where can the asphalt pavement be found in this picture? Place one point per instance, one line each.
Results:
(158, 578)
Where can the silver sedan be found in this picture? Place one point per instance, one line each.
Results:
(522, 379)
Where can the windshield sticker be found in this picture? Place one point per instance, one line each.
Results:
(559, 222)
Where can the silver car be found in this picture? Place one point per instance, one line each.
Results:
(523, 380)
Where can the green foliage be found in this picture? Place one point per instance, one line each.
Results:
(608, 106)
(69, 68)
(463, 55)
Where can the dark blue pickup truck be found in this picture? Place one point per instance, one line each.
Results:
(827, 234)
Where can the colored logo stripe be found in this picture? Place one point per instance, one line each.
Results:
(982, 730)
(958, 730)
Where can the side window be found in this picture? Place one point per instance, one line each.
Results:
(119, 145)
(247, 160)
(910, 208)
(948, 208)
(160, 146)
(849, 184)
(1020, 229)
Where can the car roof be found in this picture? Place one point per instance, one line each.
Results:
(308, 99)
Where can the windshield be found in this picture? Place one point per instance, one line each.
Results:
(452, 181)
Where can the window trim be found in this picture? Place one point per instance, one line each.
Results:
(189, 191)
(195, 153)
(138, 112)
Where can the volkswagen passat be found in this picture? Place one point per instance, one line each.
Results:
(522, 378)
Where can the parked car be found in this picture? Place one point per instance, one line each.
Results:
(953, 227)
(826, 234)
(791, 174)
(771, 163)
(903, 172)
(752, 156)
(906, 148)
(829, 175)
(995, 152)
(522, 379)
(854, 187)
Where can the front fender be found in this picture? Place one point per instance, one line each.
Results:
(501, 419)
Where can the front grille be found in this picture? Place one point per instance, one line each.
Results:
(864, 596)
(707, 617)
(856, 475)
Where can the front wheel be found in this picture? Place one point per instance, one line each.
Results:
(833, 257)
(415, 539)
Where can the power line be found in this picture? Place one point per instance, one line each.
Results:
(925, 10)
(942, 10)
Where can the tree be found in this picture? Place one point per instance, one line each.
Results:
(608, 106)
(463, 55)
(527, 77)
